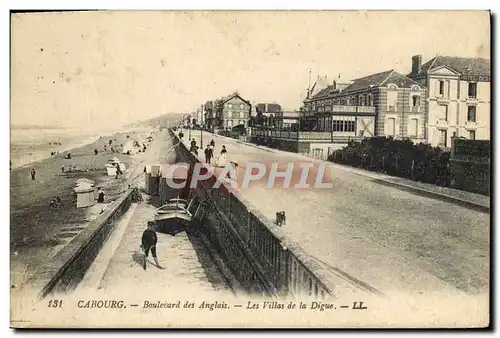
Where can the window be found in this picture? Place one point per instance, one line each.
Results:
(415, 101)
(413, 127)
(391, 126)
(242, 114)
(442, 137)
(361, 100)
(392, 100)
(471, 113)
(370, 99)
(441, 88)
(472, 90)
(443, 112)
(472, 134)
(229, 105)
(343, 126)
(229, 114)
(229, 123)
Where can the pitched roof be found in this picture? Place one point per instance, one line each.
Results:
(374, 80)
(380, 80)
(462, 65)
(229, 97)
(320, 84)
(368, 81)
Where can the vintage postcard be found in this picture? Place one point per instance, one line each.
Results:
(250, 169)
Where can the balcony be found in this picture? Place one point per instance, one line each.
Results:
(442, 99)
(471, 100)
(342, 109)
(321, 136)
(471, 124)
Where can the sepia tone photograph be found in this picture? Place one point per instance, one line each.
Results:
(250, 169)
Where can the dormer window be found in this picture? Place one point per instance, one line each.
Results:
(415, 101)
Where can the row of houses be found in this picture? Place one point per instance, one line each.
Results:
(233, 111)
(442, 98)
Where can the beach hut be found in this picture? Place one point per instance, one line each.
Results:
(110, 169)
(116, 161)
(84, 195)
(84, 181)
(128, 147)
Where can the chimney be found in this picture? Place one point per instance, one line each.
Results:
(416, 64)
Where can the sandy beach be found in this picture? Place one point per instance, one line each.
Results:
(37, 232)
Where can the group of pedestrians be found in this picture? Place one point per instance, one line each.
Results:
(209, 151)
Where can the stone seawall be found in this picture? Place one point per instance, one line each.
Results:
(262, 258)
(68, 267)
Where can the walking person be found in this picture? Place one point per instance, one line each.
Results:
(148, 242)
(208, 154)
(223, 151)
(194, 148)
(33, 174)
(212, 143)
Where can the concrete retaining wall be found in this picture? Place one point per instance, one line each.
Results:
(258, 253)
(68, 267)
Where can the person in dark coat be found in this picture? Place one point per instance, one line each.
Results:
(100, 196)
(223, 151)
(212, 143)
(148, 242)
(208, 154)
(33, 174)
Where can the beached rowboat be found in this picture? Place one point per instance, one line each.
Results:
(172, 215)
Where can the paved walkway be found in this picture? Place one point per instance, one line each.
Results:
(186, 265)
(183, 258)
(391, 239)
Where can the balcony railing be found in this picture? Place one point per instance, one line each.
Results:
(342, 109)
(304, 135)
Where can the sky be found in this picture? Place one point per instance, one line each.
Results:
(93, 70)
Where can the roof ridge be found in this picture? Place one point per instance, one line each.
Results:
(387, 78)
(433, 62)
(364, 77)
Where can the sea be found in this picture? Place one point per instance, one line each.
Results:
(29, 145)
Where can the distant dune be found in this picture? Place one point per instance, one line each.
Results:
(164, 120)
(34, 126)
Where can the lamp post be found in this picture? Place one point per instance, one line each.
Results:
(202, 125)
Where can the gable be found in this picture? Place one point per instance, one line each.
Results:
(236, 99)
(442, 70)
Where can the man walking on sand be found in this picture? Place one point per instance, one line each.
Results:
(149, 240)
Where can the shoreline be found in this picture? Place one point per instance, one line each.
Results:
(37, 232)
(75, 146)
